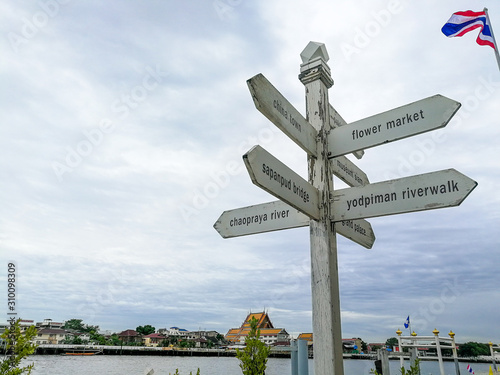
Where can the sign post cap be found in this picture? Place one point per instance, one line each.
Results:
(314, 50)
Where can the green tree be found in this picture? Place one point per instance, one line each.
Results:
(18, 346)
(145, 330)
(393, 341)
(114, 340)
(97, 338)
(77, 325)
(253, 359)
(473, 349)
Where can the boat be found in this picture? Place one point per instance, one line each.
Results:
(81, 352)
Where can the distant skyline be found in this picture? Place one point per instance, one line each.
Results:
(124, 126)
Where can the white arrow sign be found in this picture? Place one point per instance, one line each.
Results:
(427, 191)
(348, 172)
(359, 231)
(265, 217)
(276, 178)
(281, 113)
(415, 118)
(278, 215)
(337, 120)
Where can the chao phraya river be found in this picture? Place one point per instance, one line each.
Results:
(141, 365)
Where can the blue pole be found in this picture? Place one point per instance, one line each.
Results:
(303, 358)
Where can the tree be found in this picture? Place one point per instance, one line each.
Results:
(145, 330)
(114, 340)
(19, 345)
(473, 349)
(393, 341)
(253, 359)
(77, 325)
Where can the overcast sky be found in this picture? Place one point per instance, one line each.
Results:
(122, 134)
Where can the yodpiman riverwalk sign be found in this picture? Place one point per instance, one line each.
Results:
(326, 138)
(427, 191)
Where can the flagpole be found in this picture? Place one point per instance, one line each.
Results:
(493, 37)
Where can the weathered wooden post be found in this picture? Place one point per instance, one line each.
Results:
(316, 77)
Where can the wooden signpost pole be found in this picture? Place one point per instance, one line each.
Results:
(315, 75)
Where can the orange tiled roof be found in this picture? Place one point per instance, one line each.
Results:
(305, 336)
(263, 323)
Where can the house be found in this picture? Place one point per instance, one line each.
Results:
(48, 323)
(129, 336)
(307, 337)
(174, 331)
(200, 334)
(51, 336)
(268, 334)
(349, 345)
(153, 339)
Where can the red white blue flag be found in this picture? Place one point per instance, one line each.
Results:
(461, 23)
(469, 369)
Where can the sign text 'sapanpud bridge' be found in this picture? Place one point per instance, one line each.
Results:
(326, 138)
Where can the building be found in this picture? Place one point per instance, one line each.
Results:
(48, 323)
(268, 334)
(51, 336)
(177, 332)
(351, 345)
(129, 336)
(348, 345)
(153, 339)
(202, 334)
(307, 337)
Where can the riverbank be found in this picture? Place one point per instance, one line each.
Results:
(280, 352)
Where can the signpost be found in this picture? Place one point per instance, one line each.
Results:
(326, 138)
(402, 122)
(427, 191)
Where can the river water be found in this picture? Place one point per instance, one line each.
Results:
(165, 365)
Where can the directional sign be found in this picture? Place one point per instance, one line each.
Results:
(276, 178)
(359, 231)
(265, 217)
(415, 118)
(278, 215)
(427, 191)
(337, 120)
(348, 172)
(281, 113)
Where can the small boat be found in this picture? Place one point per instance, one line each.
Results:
(82, 352)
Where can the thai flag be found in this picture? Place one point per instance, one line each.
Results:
(461, 23)
(469, 369)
